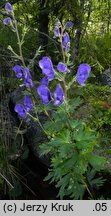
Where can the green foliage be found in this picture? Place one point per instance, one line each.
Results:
(71, 149)
(96, 161)
(71, 142)
(90, 49)
(6, 40)
(94, 181)
(99, 98)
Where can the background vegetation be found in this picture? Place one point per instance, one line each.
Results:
(90, 42)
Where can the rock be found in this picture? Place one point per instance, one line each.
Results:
(106, 77)
(10, 140)
(34, 135)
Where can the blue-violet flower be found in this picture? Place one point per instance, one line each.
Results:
(28, 103)
(47, 68)
(58, 95)
(56, 32)
(44, 81)
(83, 73)
(66, 42)
(19, 108)
(23, 109)
(7, 21)
(69, 24)
(27, 78)
(44, 94)
(8, 8)
(57, 22)
(26, 73)
(18, 71)
(61, 67)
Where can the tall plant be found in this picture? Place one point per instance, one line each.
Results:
(70, 142)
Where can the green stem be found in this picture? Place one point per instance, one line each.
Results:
(64, 81)
(15, 54)
(37, 120)
(62, 49)
(89, 188)
(18, 130)
(6, 180)
(19, 42)
(70, 83)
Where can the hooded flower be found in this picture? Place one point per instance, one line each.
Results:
(28, 103)
(19, 108)
(69, 24)
(8, 8)
(23, 109)
(7, 21)
(26, 73)
(61, 67)
(23, 74)
(66, 42)
(58, 95)
(57, 22)
(44, 81)
(28, 83)
(44, 94)
(57, 28)
(47, 68)
(18, 71)
(83, 73)
(27, 78)
(56, 32)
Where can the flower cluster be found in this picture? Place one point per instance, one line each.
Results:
(44, 93)
(24, 74)
(22, 110)
(59, 31)
(47, 70)
(9, 10)
(57, 28)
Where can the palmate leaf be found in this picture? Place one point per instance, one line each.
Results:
(70, 162)
(81, 165)
(60, 114)
(65, 135)
(53, 127)
(50, 177)
(86, 146)
(82, 134)
(97, 162)
(57, 144)
(74, 103)
(78, 191)
(44, 149)
(63, 184)
(56, 125)
(85, 139)
(93, 180)
(65, 149)
(49, 126)
(71, 187)
(97, 182)
(75, 123)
